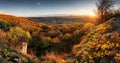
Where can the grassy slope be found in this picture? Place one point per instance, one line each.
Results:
(5, 51)
(101, 44)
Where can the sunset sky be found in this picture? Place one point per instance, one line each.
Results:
(48, 7)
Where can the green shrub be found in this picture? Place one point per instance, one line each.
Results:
(6, 25)
(17, 34)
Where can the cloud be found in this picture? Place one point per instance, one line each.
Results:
(1, 12)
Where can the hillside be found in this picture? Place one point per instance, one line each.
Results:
(13, 31)
(19, 21)
(101, 45)
(59, 43)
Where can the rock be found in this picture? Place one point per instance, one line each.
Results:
(23, 48)
(15, 59)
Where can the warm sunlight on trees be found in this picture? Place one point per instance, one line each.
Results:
(103, 9)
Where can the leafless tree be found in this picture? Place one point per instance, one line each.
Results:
(103, 9)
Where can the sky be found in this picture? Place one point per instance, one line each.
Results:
(28, 8)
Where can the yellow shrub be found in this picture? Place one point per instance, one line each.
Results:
(88, 25)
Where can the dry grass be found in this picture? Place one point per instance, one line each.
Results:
(54, 57)
(3, 36)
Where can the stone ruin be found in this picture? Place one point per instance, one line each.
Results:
(23, 48)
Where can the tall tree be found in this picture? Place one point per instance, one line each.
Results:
(103, 9)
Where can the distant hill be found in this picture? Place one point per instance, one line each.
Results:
(62, 19)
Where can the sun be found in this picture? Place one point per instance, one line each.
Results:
(85, 13)
(92, 14)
